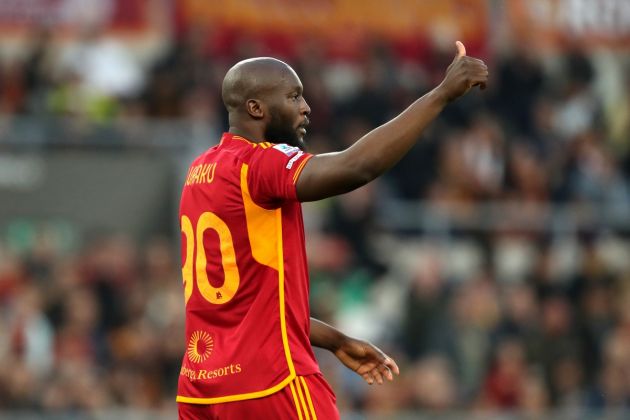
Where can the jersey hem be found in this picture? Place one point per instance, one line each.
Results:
(238, 397)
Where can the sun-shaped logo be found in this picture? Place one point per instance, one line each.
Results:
(200, 346)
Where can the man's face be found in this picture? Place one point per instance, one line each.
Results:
(288, 113)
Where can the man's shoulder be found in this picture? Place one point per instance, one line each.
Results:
(286, 149)
(258, 156)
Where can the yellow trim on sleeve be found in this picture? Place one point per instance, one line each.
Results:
(298, 171)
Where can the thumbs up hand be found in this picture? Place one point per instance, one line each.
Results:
(462, 74)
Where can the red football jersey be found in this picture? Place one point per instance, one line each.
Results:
(245, 275)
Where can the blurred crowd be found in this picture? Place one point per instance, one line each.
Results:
(550, 127)
(512, 316)
(97, 328)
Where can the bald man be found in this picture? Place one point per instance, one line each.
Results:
(248, 329)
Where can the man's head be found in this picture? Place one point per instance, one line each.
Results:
(267, 94)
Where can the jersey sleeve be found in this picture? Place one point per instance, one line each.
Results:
(274, 172)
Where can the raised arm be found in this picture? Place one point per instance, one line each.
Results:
(364, 358)
(331, 174)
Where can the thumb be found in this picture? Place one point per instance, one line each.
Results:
(461, 50)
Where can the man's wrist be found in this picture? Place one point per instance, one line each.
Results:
(441, 95)
(337, 341)
(325, 336)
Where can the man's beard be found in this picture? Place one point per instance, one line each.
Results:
(281, 131)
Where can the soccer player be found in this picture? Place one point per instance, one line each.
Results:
(248, 329)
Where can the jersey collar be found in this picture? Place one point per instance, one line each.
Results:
(226, 137)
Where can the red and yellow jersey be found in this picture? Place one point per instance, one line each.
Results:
(245, 273)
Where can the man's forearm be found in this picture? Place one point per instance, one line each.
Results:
(384, 146)
(324, 336)
(337, 173)
(330, 174)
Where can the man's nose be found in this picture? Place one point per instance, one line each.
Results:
(305, 108)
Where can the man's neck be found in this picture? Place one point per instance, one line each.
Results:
(252, 135)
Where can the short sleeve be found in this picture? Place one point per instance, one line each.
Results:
(273, 173)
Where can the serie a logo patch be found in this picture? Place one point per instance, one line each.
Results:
(293, 159)
(286, 149)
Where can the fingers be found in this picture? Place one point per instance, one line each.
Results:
(386, 372)
(392, 366)
(382, 371)
(478, 72)
(476, 60)
(462, 74)
(373, 375)
(477, 68)
(378, 376)
(480, 79)
(368, 378)
(461, 50)
(376, 366)
(482, 85)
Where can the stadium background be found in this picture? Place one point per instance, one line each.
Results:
(493, 262)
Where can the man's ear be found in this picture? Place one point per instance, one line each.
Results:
(255, 108)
